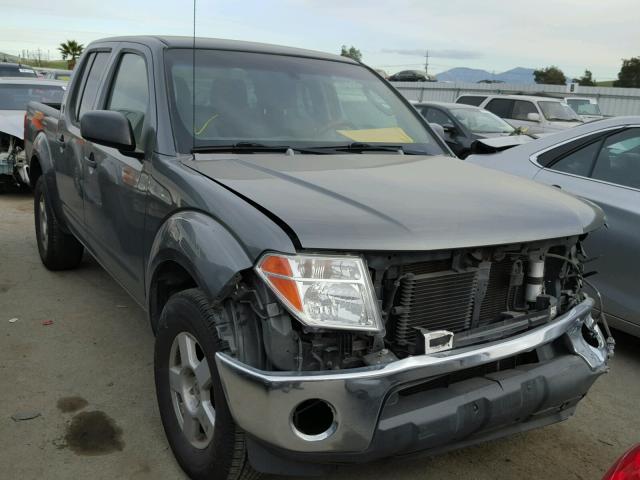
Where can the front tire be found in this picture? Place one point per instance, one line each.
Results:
(196, 418)
(58, 250)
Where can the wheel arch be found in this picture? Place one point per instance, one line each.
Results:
(191, 249)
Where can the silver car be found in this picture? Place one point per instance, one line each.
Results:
(598, 161)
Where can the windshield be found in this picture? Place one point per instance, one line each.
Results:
(481, 121)
(558, 112)
(583, 106)
(16, 97)
(284, 100)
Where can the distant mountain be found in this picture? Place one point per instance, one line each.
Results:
(474, 75)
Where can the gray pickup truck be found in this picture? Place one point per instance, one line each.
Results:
(326, 282)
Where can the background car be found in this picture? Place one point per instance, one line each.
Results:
(463, 125)
(537, 114)
(587, 108)
(16, 70)
(15, 93)
(598, 161)
(409, 76)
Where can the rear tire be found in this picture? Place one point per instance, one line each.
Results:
(58, 250)
(215, 448)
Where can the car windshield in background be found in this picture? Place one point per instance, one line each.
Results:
(584, 107)
(16, 97)
(16, 71)
(558, 112)
(481, 121)
(271, 100)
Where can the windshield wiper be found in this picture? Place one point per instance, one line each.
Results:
(361, 147)
(251, 147)
(244, 147)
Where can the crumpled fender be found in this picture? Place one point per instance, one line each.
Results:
(203, 247)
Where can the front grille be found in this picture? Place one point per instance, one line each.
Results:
(435, 297)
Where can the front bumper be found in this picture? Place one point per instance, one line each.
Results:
(370, 421)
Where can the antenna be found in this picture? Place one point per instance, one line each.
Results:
(426, 64)
(193, 81)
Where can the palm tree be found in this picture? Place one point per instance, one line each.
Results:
(71, 50)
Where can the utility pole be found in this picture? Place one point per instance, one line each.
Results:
(426, 64)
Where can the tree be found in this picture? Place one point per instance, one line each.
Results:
(629, 75)
(351, 52)
(586, 80)
(71, 50)
(550, 76)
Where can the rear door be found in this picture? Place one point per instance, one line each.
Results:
(68, 146)
(114, 182)
(607, 172)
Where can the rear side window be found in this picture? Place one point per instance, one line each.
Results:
(501, 107)
(474, 100)
(91, 82)
(130, 92)
(521, 109)
(619, 159)
(579, 162)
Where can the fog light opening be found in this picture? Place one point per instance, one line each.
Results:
(314, 420)
(591, 337)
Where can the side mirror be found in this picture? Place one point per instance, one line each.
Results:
(449, 128)
(436, 127)
(108, 128)
(533, 117)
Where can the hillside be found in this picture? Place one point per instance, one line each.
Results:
(473, 75)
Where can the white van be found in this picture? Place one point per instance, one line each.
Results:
(537, 114)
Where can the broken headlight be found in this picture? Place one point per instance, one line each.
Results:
(323, 291)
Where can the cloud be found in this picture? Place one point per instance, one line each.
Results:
(456, 54)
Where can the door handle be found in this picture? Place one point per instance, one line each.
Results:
(91, 161)
(557, 186)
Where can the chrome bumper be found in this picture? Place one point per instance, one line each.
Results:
(262, 402)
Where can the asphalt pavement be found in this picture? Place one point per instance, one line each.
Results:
(77, 394)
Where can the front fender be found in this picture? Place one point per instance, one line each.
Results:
(203, 247)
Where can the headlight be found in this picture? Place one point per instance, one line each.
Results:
(323, 291)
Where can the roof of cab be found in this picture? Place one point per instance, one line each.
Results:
(222, 44)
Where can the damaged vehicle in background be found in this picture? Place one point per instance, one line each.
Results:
(15, 94)
(326, 283)
(468, 129)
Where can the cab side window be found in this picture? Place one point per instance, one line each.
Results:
(92, 74)
(619, 159)
(129, 93)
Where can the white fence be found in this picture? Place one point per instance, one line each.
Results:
(613, 101)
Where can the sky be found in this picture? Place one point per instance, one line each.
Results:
(392, 34)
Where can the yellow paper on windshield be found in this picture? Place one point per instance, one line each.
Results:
(381, 135)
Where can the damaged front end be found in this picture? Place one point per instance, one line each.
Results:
(473, 344)
(14, 169)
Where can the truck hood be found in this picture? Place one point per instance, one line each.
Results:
(12, 123)
(397, 202)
